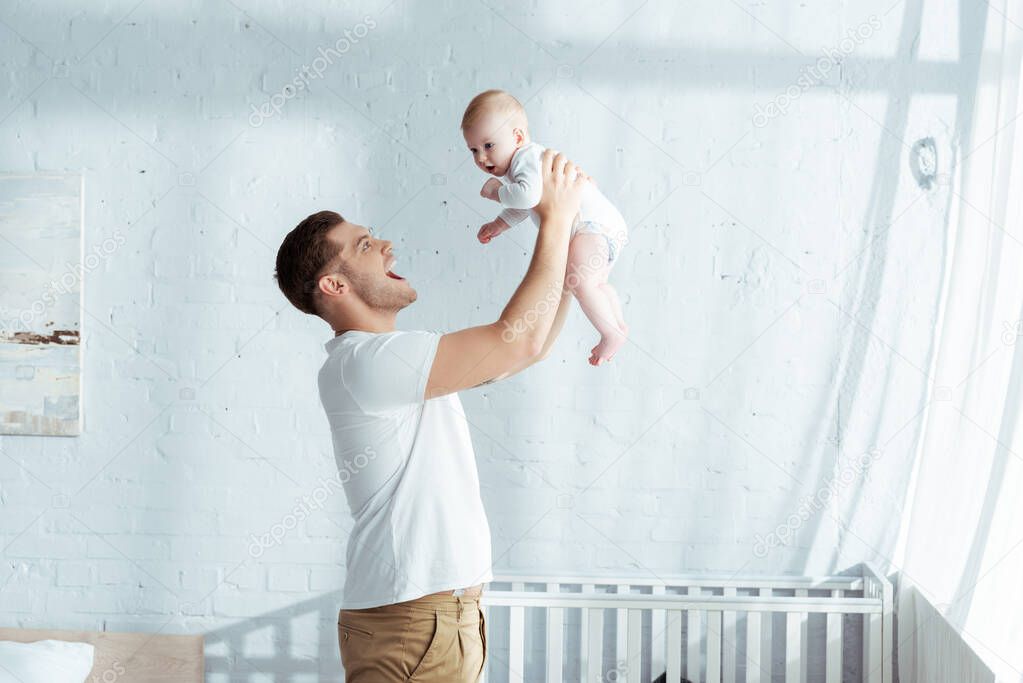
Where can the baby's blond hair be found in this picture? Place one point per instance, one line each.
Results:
(494, 102)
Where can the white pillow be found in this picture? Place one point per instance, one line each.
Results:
(45, 661)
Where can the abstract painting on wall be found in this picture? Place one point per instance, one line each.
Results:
(40, 304)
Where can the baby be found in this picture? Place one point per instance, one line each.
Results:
(496, 130)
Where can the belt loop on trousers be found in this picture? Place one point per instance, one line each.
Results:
(459, 616)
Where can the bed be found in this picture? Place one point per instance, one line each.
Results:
(129, 657)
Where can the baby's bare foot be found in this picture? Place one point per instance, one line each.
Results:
(608, 346)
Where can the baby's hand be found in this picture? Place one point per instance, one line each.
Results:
(490, 188)
(491, 230)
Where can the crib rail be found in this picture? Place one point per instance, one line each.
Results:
(706, 628)
(838, 582)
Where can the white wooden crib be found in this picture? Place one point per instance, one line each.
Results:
(751, 629)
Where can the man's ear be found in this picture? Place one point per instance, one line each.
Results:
(332, 284)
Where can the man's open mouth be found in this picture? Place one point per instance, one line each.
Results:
(390, 273)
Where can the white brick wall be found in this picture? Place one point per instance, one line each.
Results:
(743, 382)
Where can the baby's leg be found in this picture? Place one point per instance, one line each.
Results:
(616, 303)
(587, 280)
(619, 238)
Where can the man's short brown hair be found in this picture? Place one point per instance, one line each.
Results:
(302, 256)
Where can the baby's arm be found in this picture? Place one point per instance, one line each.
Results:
(526, 187)
(505, 220)
(517, 198)
(508, 216)
(513, 216)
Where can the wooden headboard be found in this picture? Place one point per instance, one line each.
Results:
(129, 657)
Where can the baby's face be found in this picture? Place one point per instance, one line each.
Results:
(492, 142)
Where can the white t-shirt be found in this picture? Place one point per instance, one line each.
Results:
(408, 469)
(522, 187)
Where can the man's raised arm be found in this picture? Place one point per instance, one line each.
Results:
(487, 353)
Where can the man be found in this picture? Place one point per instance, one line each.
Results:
(419, 552)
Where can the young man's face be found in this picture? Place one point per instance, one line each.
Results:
(365, 262)
(492, 142)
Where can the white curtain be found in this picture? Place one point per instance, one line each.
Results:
(961, 542)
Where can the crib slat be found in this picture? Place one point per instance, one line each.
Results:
(634, 656)
(872, 648)
(516, 651)
(754, 621)
(767, 638)
(887, 643)
(584, 635)
(693, 639)
(833, 660)
(673, 636)
(713, 647)
(793, 647)
(658, 624)
(804, 637)
(595, 647)
(555, 639)
(622, 637)
(729, 638)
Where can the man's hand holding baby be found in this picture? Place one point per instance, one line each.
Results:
(563, 182)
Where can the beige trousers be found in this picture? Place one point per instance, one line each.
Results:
(434, 638)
